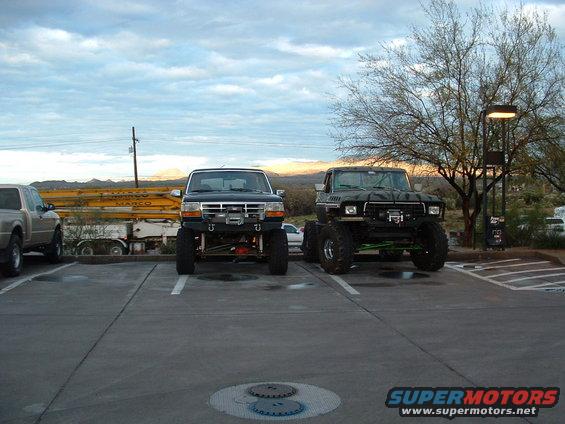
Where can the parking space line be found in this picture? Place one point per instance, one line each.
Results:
(556, 283)
(180, 284)
(537, 276)
(343, 284)
(527, 271)
(497, 262)
(31, 277)
(488, 268)
(480, 277)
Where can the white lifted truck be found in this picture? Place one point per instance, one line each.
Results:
(26, 224)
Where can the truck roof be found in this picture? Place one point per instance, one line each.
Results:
(20, 186)
(365, 168)
(229, 169)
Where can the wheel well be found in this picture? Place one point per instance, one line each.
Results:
(18, 231)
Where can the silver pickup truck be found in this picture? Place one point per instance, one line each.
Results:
(26, 224)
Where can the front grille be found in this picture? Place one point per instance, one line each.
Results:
(378, 211)
(249, 210)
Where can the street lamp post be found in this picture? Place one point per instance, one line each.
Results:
(502, 112)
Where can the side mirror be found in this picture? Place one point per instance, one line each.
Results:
(281, 193)
(319, 187)
(50, 207)
(176, 193)
(417, 187)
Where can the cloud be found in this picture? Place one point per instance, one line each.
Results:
(56, 43)
(312, 50)
(143, 70)
(271, 81)
(230, 89)
(29, 166)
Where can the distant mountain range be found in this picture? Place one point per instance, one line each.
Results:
(298, 174)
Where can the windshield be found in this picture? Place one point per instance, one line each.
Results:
(369, 180)
(229, 181)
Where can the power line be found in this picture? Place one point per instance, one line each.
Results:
(66, 143)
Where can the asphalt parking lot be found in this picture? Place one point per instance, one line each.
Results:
(134, 343)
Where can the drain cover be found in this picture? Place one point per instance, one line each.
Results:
(274, 390)
(403, 275)
(277, 407)
(238, 402)
(227, 277)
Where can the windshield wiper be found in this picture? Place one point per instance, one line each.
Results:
(201, 190)
(245, 189)
(352, 186)
(387, 188)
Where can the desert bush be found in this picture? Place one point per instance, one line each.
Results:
(524, 225)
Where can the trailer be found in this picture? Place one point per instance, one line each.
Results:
(116, 221)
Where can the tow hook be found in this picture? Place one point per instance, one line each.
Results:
(257, 227)
(211, 227)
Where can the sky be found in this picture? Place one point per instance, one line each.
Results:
(205, 83)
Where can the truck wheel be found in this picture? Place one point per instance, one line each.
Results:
(185, 251)
(54, 251)
(434, 241)
(336, 249)
(13, 267)
(278, 252)
(116, 249)
(310, 243)
(391, 255)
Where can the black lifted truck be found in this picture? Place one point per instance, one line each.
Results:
(369, 208)
(231, 212)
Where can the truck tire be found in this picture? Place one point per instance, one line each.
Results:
(54, 251)
(336, 248)
(186, 253)
(391, 255)
(278, 252)
(310, 248)
(434, 241)
(15, 257)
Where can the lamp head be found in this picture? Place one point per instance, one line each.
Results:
(501, 111)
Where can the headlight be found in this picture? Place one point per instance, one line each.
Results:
(274, 210)
(434, 210)
(351, 210)
(190, 209)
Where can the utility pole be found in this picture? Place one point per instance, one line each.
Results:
(134, 142)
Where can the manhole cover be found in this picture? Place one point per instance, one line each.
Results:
(272, 390)
(227, 277)
(403, 275)
(277, 407)
(308, 401)
(62, 278)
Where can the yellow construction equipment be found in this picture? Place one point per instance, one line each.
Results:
(116, 203)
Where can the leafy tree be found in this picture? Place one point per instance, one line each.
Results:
(421, 102)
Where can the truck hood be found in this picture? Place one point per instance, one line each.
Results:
(232, 196)
(382, 196)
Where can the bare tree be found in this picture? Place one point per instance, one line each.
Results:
(421, 102)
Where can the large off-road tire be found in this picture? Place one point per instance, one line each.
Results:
(310, 249)
(336, 248)
(13, 267)
(278, 252)
(434, 241)
(54, 251)
(391, 255)
(186, 252)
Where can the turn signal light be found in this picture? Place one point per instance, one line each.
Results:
(274, 214)
(191, 214)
